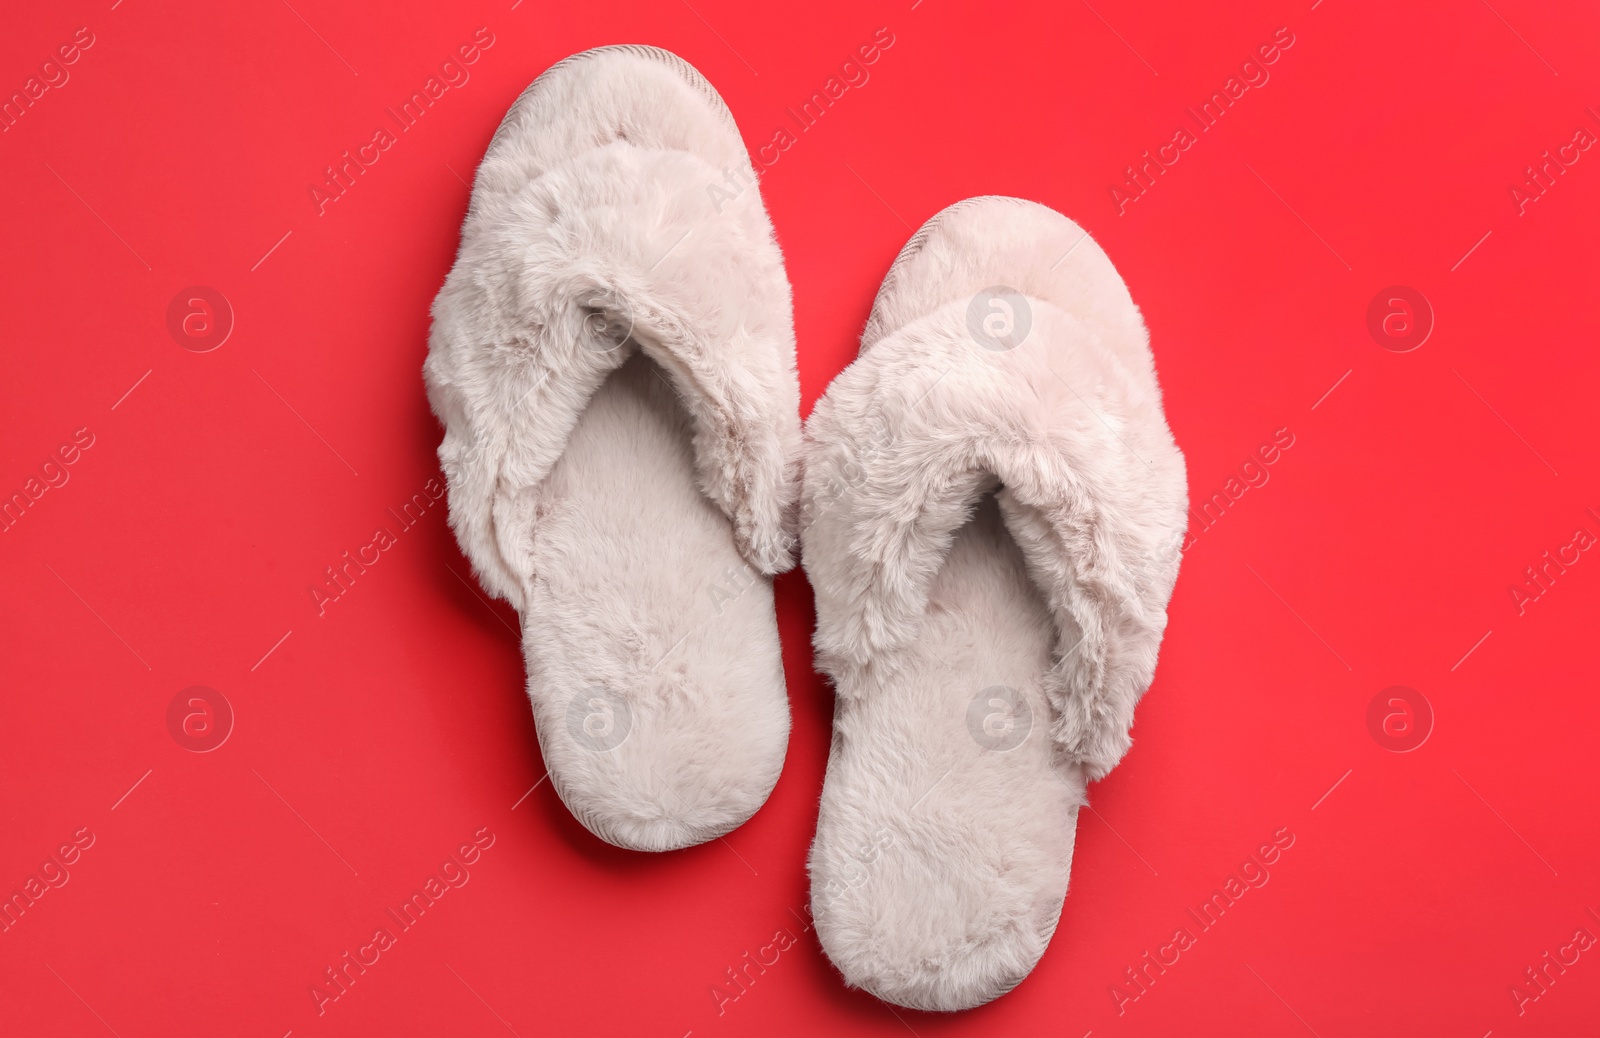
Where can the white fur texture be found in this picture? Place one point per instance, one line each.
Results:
(927, 602)
(636, 529)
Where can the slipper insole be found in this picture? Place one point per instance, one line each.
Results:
(652, 647)
(945, 837)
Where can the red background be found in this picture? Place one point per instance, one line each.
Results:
(372, 741)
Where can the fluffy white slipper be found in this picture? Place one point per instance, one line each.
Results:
(612, 357)
(987, 648)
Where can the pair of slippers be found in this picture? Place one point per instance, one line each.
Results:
(988, 503)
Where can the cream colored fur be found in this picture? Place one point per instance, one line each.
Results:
(979, 518)
(612, 358)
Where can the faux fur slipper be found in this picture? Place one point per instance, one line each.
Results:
(991, 519)
(612, 358)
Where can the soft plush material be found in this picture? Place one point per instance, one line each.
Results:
(991, 519)
(612, 358)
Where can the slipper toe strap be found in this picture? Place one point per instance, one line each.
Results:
(620, 249)
(903, 446)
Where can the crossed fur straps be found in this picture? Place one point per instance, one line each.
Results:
(1093, 491)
